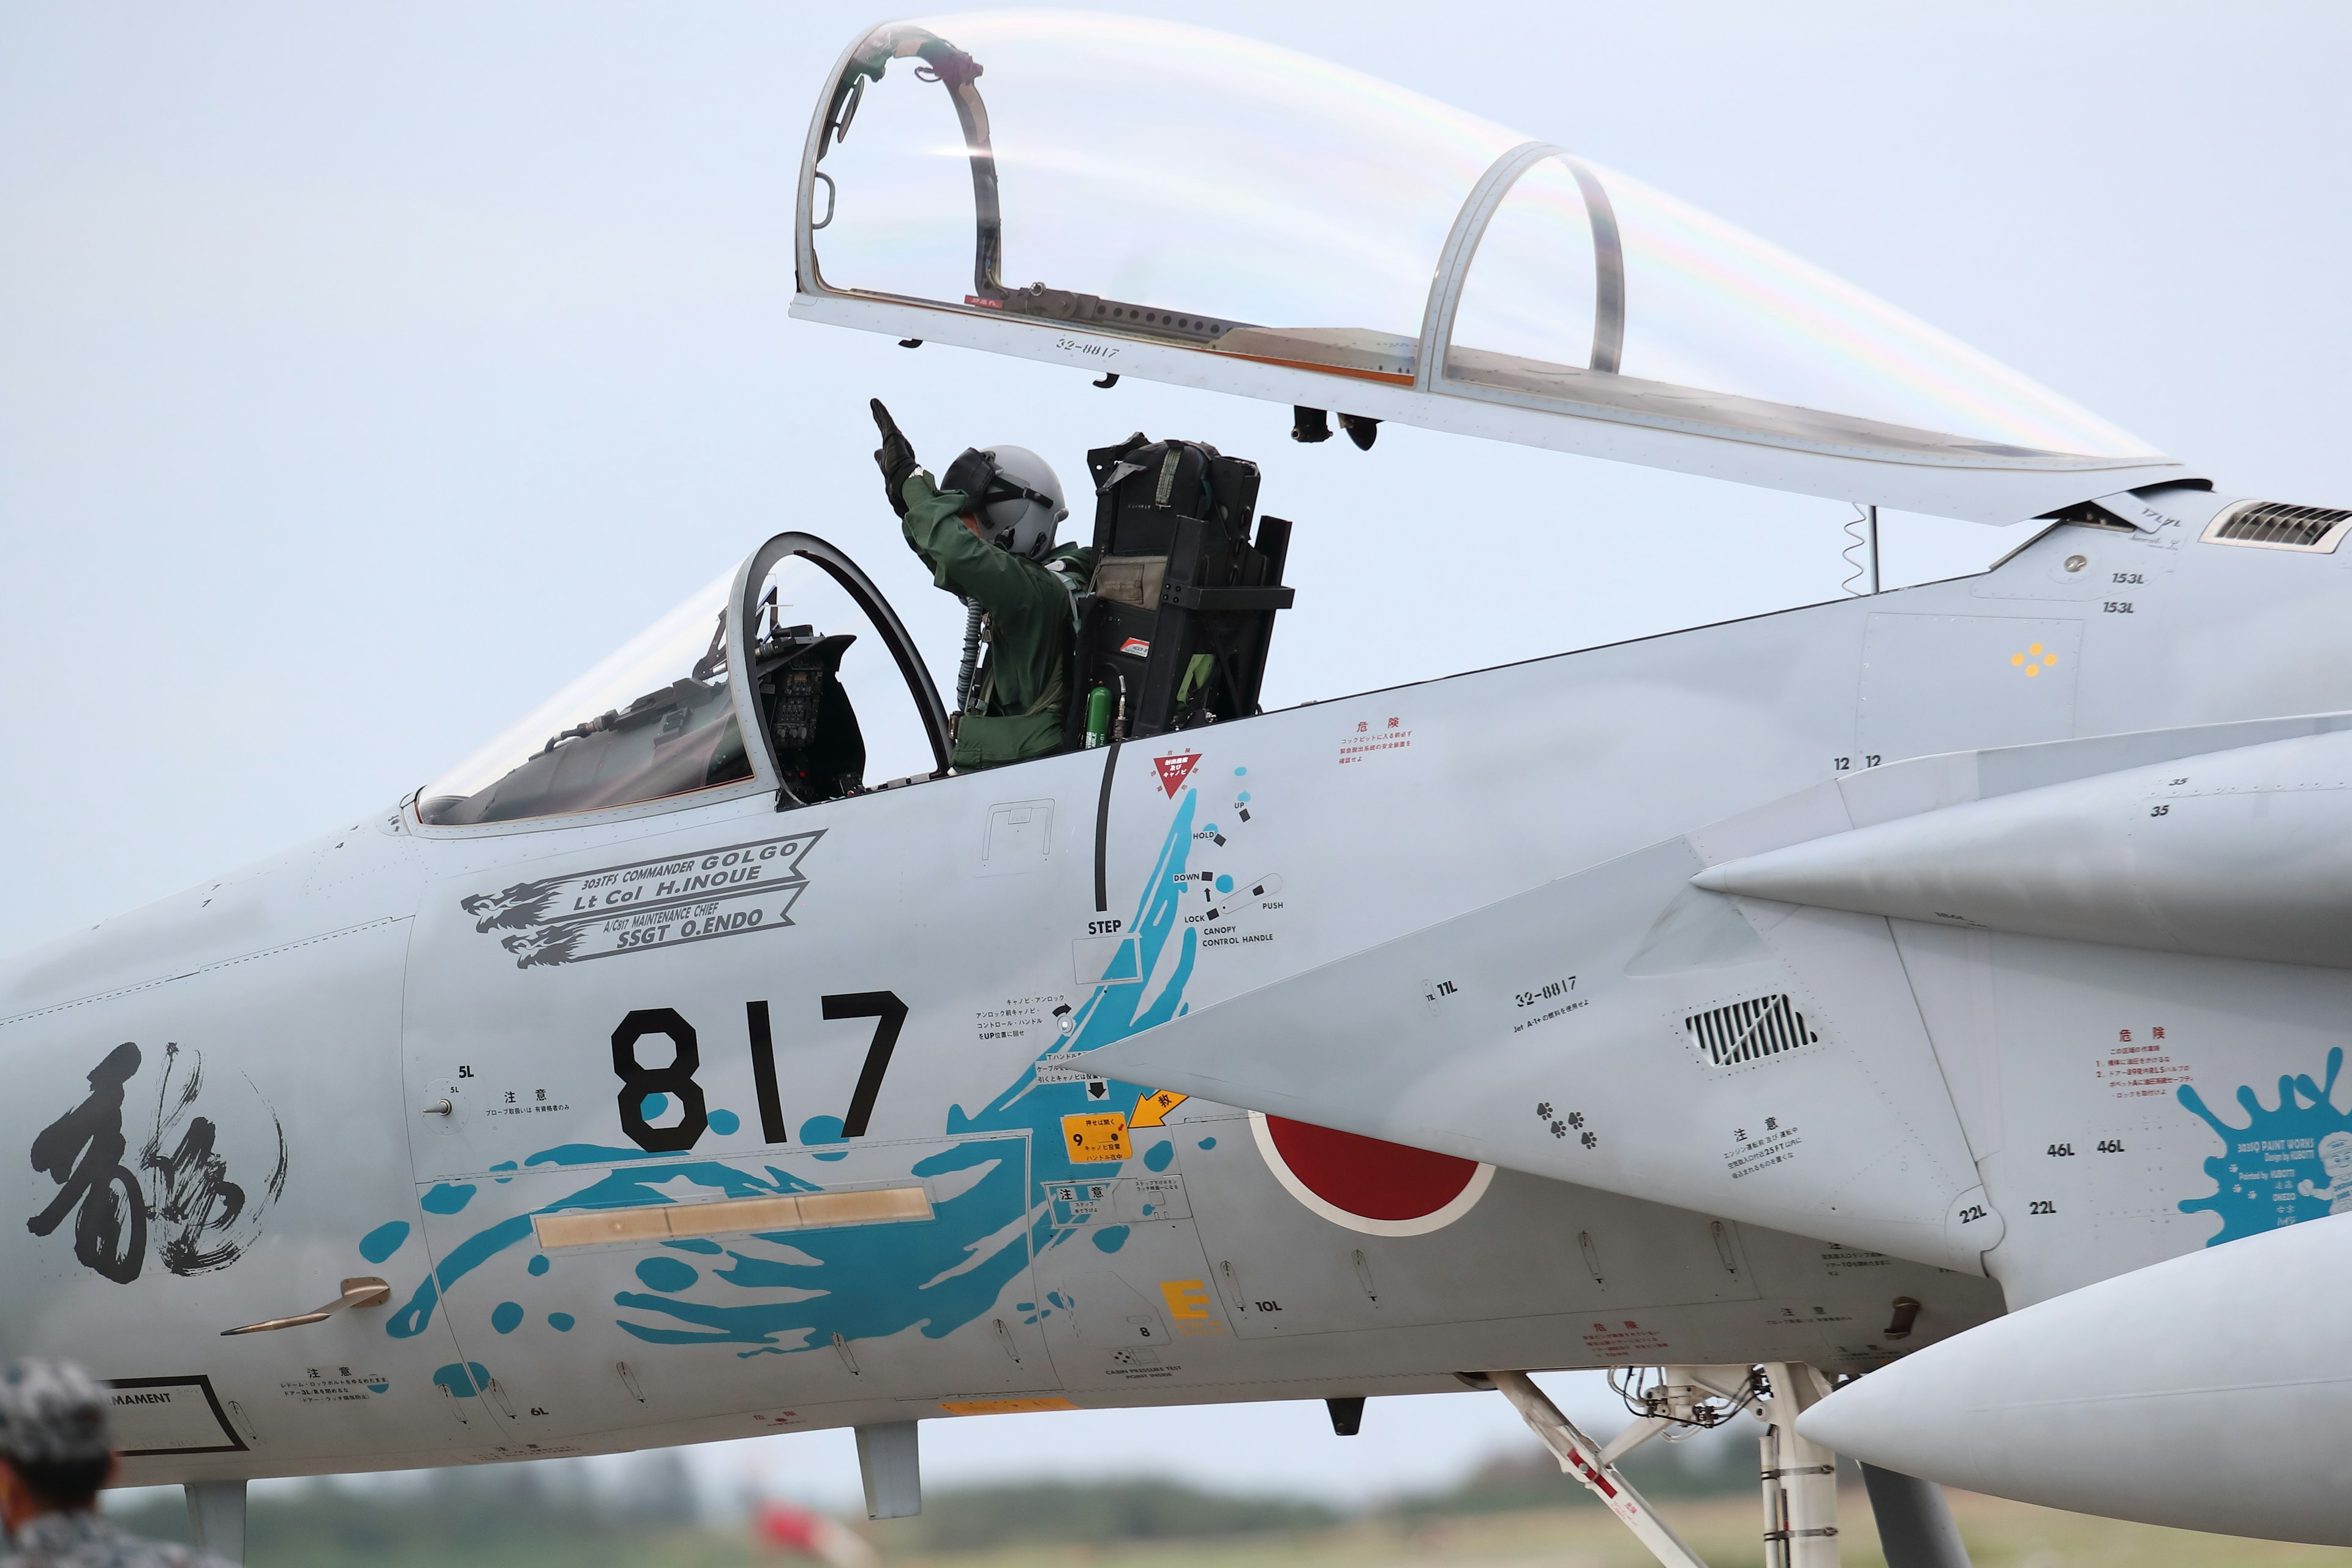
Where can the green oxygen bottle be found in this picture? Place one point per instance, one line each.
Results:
(1098, 717)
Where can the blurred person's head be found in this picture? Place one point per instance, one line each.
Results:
(54, 1452)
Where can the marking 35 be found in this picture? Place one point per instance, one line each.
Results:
(676, 1076)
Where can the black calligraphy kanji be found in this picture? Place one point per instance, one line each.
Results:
(82, 1152)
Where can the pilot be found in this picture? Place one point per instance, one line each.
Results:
(986, 530)
(53, 1458)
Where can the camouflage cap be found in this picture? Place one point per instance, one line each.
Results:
(51, 1411)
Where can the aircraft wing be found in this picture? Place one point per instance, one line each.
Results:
(1722, 1021)
(1621, 1029)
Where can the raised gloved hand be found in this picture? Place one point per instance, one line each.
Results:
(894, 457)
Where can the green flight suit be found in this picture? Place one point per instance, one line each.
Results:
(1031, 616)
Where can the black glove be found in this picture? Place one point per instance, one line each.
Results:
(894, 457)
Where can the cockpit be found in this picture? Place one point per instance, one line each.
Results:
(834, 695)
(1130, 196)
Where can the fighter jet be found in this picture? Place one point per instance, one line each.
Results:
(1739, 1010)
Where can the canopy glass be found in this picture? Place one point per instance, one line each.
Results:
(652, 720)
(795, 648)
(1144, 180)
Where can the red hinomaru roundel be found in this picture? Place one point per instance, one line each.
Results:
(1365, 1185)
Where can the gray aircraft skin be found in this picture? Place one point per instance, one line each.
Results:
(307, 1006)
(1799, 991)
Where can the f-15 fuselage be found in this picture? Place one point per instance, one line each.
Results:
(708, 1119)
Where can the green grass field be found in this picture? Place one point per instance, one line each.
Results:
(1723, 1529)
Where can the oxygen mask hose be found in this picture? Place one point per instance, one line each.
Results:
(967, 671)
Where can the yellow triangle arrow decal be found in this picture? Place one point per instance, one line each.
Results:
(1151, 1110)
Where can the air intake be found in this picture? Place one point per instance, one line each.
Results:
(1749, 1031)
(2275, 525)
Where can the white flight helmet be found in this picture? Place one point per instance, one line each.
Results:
(1015, 494)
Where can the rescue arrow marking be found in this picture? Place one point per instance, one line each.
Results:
(1151, 1109)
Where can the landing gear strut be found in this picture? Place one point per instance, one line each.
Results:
(1581, 1457)
(1800, 1477)
(216, 1517)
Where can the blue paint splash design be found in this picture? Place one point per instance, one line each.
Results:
(464, 1259)
(872, 1281)
(507, 1317)
(2290, 1162)
(463, 1379)
(667, 1273)
(381, 1243)
(446, 1197)
(824, 1130)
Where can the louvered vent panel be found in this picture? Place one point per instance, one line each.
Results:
(1749, 1031)
(2278, 526)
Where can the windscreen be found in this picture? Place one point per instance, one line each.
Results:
(652, 721)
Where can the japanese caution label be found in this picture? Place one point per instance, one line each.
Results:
(1097, 1135)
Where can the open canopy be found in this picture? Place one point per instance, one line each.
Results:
(1152, 199)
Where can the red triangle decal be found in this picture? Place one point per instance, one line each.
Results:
(1174, 771)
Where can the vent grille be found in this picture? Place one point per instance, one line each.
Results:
(1749, 1031)
(2275, 525)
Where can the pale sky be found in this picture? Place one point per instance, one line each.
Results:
(367, 372)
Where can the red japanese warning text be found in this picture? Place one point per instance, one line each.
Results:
(1174, 771)
(1370, 739)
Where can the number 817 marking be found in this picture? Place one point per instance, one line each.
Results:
(676, 1077)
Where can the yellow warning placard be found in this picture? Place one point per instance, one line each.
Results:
(1152, 1109)
(1097, 1135)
